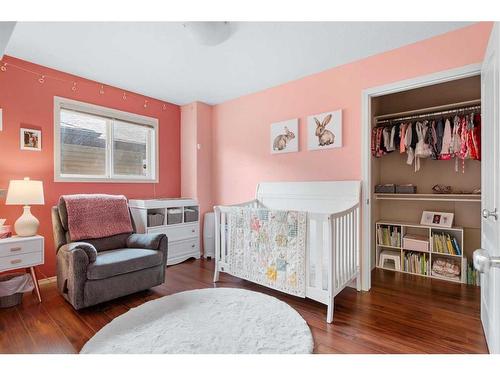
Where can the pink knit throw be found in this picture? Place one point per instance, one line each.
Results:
(96, 215)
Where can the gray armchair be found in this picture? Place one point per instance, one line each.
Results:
(99, 270)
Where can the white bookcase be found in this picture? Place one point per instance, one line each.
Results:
(432, 254)
(178, 218)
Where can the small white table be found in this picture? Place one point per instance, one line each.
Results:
(22, 252)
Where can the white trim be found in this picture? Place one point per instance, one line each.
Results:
(47, 280)
(366, 96)
(92, 109)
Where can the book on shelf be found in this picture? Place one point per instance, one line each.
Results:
(417, 263)
(473, 277)
(389, 236)
(444, 243)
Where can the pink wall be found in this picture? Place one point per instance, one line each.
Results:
(28, 103)
(241, 156)
(204, 170)
(196, 164)
(188, 150)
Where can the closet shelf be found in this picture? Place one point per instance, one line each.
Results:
(410, 224)
(446, 254)
(429, 197)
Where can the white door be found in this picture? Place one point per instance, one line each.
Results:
(487, 259)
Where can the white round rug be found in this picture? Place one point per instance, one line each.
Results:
(220, 320)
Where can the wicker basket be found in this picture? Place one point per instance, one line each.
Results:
(190, 215)
(174, 216)
(14, 299)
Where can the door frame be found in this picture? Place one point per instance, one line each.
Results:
(366, 118)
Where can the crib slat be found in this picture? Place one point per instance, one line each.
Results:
(319, 254)
(346, 256)
(341, 240)
(312, 251)
(333, 261)
(348, 246)
(351, 244)
(223, 237)
(356, 236)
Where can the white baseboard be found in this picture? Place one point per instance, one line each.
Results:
(47, 280)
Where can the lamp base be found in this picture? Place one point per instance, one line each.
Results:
(27, 225)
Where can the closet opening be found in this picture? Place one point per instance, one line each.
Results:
(425, 188)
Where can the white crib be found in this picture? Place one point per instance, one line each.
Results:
(333, 242)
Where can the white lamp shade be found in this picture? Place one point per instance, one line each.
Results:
(25, 192)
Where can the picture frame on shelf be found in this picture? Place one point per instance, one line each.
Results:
(437, 219)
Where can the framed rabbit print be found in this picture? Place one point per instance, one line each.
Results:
(285, 136)
(324, 130)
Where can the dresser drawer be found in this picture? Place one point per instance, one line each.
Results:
(178, 232)
(181, 250)
(21, 260)
(20, 247)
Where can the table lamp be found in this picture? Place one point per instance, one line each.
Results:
(25, 192)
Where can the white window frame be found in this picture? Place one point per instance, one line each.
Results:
(113, 114)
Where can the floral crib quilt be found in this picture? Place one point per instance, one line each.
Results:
(268, 247)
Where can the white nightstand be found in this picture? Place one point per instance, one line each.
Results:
(22, 252)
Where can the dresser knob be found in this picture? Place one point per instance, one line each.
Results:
(15, 261)
(14, 249)
(192, 230)
(193, 245)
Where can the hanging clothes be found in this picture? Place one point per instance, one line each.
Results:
(402, 145)
(390, 143)
(431, 140)
(476, 132)
(446, 142)
(439, 136)
(446, 138)
(408, 143)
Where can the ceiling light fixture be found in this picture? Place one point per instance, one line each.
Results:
(209, 33)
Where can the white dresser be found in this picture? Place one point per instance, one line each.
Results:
(22, 252)
(178, 218)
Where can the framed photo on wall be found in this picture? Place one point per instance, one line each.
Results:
(437, 219)
(285, 136)
(324, 130)
(31, 139)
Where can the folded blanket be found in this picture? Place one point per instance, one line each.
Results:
(96, 215)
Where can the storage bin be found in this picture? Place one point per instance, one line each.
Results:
(415, 242)
(174, 216)
(446, 268)
(190, 214)
(386, 188)
(155, 220)
(12, 288)
(406, 189)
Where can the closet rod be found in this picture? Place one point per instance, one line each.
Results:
(430, 111)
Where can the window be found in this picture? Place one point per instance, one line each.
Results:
(94, 143)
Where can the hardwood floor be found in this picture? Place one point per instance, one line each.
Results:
(401, 314)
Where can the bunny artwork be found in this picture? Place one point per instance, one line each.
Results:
(325, 137)
(282, 140)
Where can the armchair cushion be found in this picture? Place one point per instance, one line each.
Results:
(116, 262)
(145, 241)
(118, 241)
(86, 247)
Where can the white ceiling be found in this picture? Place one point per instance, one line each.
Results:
(6, 29)
(163, 61)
